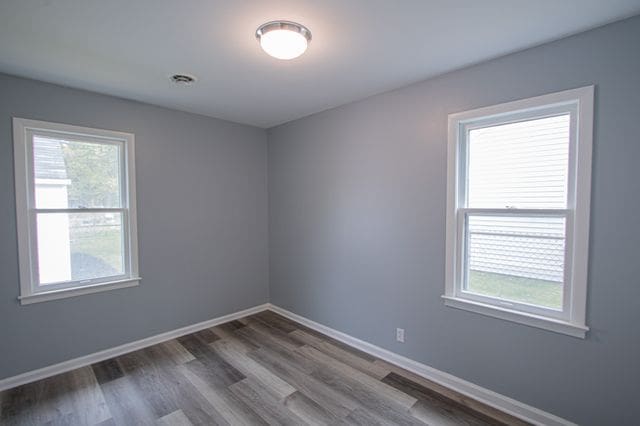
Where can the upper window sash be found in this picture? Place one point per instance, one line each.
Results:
(120, 140)
(464, 127)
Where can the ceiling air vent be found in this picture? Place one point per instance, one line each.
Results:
(183, 79)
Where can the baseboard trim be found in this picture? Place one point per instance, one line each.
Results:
(63, 367)
(493, 399)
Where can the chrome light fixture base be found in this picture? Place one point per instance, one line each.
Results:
(283, 25)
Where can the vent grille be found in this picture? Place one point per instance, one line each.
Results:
(183, 79)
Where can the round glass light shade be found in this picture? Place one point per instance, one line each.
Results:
(283, 40)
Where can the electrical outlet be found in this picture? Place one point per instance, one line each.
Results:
(400, 335)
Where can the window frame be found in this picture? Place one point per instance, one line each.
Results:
(31, 291)
(571, 320)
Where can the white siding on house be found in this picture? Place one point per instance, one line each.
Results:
(530, 247)
(523, 164)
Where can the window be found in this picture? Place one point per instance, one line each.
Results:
(519, 183)
(75, 201)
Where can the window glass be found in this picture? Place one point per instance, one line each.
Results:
(79, 246)
(519, 165)
(71, 174)
(516, 258)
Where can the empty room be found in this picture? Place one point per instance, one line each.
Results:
(336, 212)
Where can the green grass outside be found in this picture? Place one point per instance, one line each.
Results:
(517, 289)
(104, 244)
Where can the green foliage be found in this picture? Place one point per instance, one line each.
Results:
(94, 174)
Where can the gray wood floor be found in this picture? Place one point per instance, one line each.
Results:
(263, 369)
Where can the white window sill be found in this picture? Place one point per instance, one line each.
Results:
(78, 291)
(551, 324)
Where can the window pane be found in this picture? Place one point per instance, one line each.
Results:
(79, 246)
(523, 165)
(70, 174)
(517, 258)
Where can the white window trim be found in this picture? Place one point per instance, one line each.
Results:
(573, 323)
(26, 232)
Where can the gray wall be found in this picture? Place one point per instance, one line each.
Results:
(202, 217)
(357, 228)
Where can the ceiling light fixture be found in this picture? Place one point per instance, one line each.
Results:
(283, 39)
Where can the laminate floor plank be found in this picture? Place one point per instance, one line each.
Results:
(277, 321)
(452, 397)
(229, 409)
(177, 418)
(244, 320)
(41, 402)
(234, 324)
(178, 353)
(379, 407)
(126, 403)
(275, 334)
(330, 340)
(433, 409)
(107, 371)
(264, 369)
(347, 357)
(333, 391)
(250, 368)
(214, 362)
(376, 387)
(360, 417)
(230, 332)
(206, 335)
(332, 401)
(87, 398)
(72, 398)
(165, 389)
(273, 344)
(309, 410)
(270, 409)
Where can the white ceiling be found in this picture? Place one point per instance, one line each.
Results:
(129, 48)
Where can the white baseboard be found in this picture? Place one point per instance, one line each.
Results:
(63, 367)
(493, 399)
